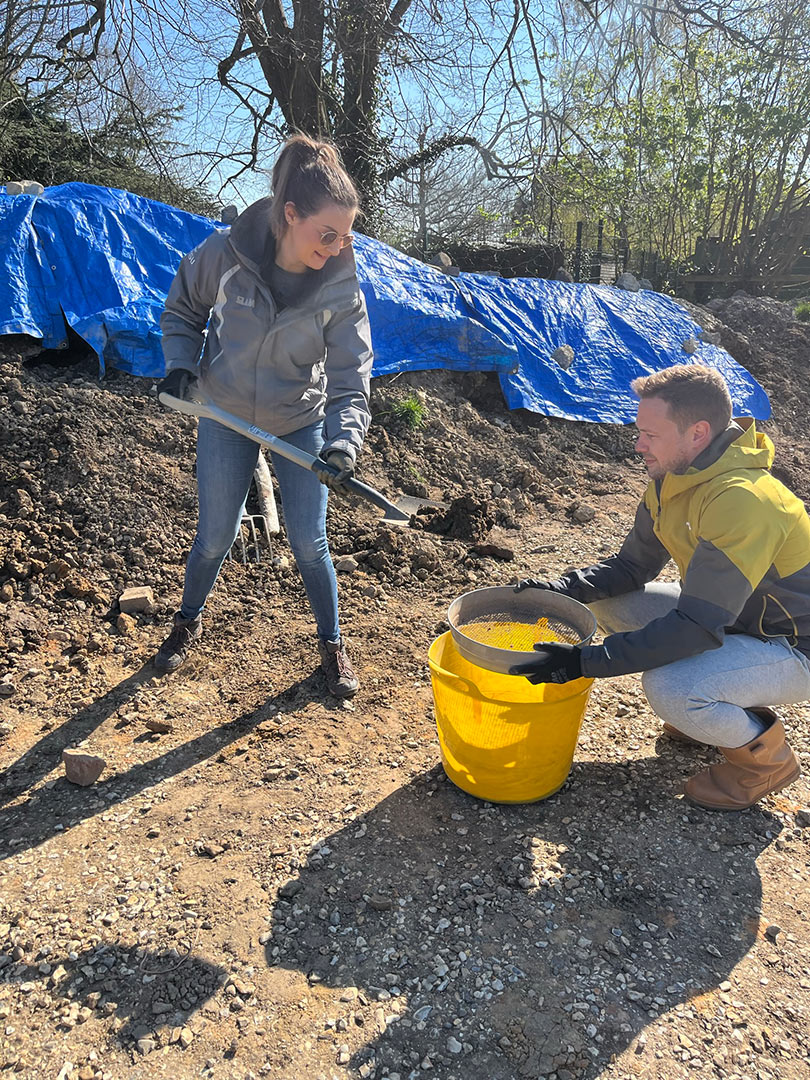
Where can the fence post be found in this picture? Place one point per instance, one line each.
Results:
(596, 272)
(578, 253)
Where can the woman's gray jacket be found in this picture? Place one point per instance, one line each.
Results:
(280, 370)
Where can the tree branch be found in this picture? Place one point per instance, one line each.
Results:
(434, 150)
(98, 19)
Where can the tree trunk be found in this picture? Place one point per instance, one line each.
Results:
(291, 59)
(360, 37)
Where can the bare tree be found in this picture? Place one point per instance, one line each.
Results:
(494, 78)
(348, 69)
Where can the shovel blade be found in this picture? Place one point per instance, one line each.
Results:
(406, 506)
(396, 516)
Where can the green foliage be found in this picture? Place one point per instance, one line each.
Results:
(666, 151)
(37, 144)
(415, 475)
(410, 412)
(802, 311)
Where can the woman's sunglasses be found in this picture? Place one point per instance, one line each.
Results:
(329, 236)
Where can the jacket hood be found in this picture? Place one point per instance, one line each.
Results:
(750, 449)
(254, 244)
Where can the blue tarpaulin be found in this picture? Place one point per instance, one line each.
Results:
(615, 335)
(26, 306)
(108, 258)
(101, 260)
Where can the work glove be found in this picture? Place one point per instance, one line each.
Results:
(540, 583)
(556, 662)
(341, 468)
(175, 383)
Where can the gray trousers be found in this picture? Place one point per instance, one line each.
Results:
(706, 696)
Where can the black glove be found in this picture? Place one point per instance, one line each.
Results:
(341, 468)
(175, 383)
(554, 585)
(557, 663)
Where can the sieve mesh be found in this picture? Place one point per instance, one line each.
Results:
(500, 631)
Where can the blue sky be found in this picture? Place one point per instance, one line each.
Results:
(436, 93)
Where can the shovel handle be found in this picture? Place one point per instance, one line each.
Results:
(194, 405)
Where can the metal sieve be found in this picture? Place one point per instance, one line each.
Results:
(495, 628)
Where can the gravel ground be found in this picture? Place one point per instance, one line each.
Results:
(264, 882)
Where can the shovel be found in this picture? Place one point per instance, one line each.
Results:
(194, 404)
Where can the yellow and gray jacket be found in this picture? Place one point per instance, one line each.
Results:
(741, 541)
(278, 369)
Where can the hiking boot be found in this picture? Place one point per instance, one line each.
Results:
(337, 667)
(762, 766)
(174, 649)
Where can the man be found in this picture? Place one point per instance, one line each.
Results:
(733, 638)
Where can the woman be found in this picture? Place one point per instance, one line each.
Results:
(287, 348)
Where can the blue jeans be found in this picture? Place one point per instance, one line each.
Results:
(225, 464)
(709, 696)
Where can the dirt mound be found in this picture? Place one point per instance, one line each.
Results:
(764, 335)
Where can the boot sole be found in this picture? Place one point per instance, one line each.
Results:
(167, 669)
(773, 791)
(164, 668)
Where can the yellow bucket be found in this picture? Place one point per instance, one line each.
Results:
(503, 739)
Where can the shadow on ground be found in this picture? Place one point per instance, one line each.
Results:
(529, 940)
(110, 978)
(49, 809)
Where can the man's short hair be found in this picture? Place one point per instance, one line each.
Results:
(692, 392)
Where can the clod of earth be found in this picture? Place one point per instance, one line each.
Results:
(466, 518)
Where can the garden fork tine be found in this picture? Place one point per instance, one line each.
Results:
(248, 523)
(249, 520)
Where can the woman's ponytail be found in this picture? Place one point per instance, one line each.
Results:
(309, 173)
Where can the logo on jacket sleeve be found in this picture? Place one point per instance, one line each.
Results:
(246, 301)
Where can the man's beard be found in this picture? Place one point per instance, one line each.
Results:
(677, 467)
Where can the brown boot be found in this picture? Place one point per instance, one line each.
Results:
(337, 667)
(679, 736)
(173, 651)
(764, 765)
